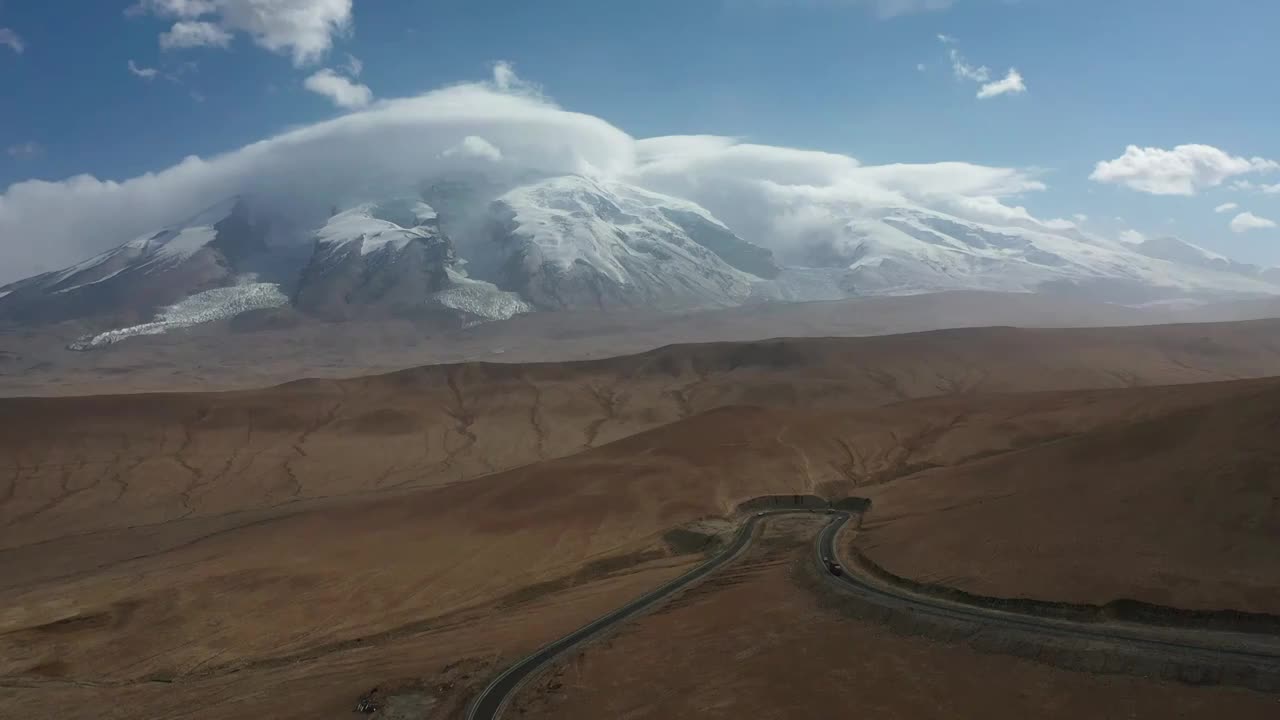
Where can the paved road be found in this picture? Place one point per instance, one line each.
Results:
(1201, 646)
(1210, 647)
(491, 701)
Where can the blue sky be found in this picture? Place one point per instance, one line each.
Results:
(841, 76)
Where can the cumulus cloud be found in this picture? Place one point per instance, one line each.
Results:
(1012, 84)
(302, 29)
(1184, 170)
(341, 91)
(779, 197)
(1081, 218)
(1247, 221)
(194, 33)
(12, 40)
(1133, 237)
(1226, 207)
(145, 73)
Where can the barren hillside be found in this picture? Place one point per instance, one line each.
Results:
(268, 347)
(215, 539)
(1180, 508)
(156, 458)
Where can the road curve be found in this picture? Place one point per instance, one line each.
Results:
(491, 701)
(1211, 646)
(1202, 646)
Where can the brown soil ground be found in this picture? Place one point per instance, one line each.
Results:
(258, 349)
(226, 550)
(436, 664)
(1182, 508)
(154, 459)
(753, 642)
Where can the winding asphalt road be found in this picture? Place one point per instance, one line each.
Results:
(1210, 647)
(491, 701)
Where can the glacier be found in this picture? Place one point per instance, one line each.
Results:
(202, 307)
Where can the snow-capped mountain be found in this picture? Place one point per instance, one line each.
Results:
(911, 250)
(130, 283)
(389, 255)
(571, 242)
(462, 250)
(1180, 251)
(392, 257)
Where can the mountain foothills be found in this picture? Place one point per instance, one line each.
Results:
(464, 250)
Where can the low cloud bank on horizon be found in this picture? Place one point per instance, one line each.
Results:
(500, 129)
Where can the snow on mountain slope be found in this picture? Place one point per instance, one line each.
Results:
(1180, 251)
(361, 225)
(388, 256)
(202, 307)
(575, 242)
(476, 301)
(527, 243)
(130, 282)
(911, 250)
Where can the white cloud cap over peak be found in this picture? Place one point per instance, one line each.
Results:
(475, 146)
(1247, 221)
(1226, 207)
(1184, 170)
(1012, 84)
(779, 197)
(12, 40)
(302, 29)
(342, 91)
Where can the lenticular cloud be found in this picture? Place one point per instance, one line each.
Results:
(503, 132)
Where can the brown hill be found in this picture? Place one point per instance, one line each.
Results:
(300, 544)
(764, 641)
(152, 459)
(1180, 508)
